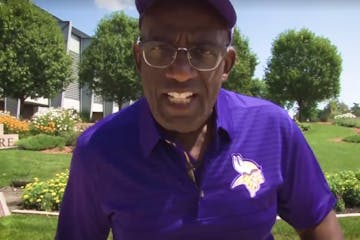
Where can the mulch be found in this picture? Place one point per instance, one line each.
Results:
(65, 150)
(356, 130)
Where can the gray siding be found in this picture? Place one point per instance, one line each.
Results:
(108, 108)
(12, 106)
(73, 90)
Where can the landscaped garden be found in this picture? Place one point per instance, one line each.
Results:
(44, 174)
(44, 227)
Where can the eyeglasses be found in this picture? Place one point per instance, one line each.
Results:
(204, 57)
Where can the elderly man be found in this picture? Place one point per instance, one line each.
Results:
(191, 160)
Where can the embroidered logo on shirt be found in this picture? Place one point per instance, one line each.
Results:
(250, 174)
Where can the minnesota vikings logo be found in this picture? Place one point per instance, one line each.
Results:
(250, 174)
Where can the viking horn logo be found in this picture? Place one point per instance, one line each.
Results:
(250, 174)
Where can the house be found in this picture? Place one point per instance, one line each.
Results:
(79, 98)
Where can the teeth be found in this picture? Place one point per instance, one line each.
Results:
(180, 95)
(183, 97)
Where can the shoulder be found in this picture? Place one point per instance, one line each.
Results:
(252, 109)
(117, 127)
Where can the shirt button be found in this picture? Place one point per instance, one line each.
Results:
(202, 194)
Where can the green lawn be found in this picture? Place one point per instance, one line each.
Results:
(43, 228)
(21, 227)
(349, 226)
(25, 165)
(332, 155)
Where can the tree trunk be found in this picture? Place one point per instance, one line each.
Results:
(22, 106)
(119, 103)
(301, 116)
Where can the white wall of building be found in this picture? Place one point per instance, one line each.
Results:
(96, 107)
(74, 44)
(70, 103)
(115, 107)
(41, 100)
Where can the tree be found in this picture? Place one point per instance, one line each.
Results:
(356, 109)
(108, 65)
(304, 69)
(240, 78)
(33, 60)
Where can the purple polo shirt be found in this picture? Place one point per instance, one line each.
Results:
(126, 176)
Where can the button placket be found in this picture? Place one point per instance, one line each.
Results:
(190, 168)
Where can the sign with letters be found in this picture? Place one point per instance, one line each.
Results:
(7, 140)
(4, 210)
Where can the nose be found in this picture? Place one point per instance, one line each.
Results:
(180, 70)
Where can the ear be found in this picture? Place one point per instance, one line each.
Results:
(137, 56)
(229, 60)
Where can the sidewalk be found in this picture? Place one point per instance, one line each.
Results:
(12, 196)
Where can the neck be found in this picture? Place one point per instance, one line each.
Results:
(196, 142)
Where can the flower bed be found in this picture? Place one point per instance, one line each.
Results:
(54, 121)
(13, 125)
(45, 195)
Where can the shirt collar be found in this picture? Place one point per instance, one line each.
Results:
(224, 120)
(150, 134)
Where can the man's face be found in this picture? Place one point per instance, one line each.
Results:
(182, 98)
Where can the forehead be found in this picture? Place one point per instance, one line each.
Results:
(195, 18)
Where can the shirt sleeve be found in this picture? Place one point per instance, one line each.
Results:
(304, 199)
(81, 216)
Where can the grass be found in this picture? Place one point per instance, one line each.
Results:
(43, 228)
(349, 226)
(32, 227)
(333, 155)
(25, 165)
(27, 227)
(22, 165)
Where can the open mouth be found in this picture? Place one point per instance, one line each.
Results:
(180, 98)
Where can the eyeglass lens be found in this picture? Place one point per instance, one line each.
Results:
(161, 55)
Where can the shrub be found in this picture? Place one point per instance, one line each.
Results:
(70, 138)
(13, 125)
(353, 139)
(348, 122)
(45, 195)
(54, 121)
(85, 116)
(41, 142)
(346, 187)
(303, 126)
(340, 204)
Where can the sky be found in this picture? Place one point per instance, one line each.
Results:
(260, 21)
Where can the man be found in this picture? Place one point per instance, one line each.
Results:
(191, 160)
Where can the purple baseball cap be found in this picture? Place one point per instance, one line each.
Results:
(224, 8)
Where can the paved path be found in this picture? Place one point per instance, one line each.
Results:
(12, 196)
